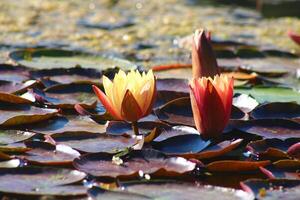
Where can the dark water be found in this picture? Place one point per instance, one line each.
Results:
(267, 8)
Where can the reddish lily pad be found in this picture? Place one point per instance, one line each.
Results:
(271, 148)
(13, 99)
(277, 110)
(236, 165)
(19, 115)
(94, 142)
(273, 189)
(287, 164)
(275, 173)
(41, 181)
(214, 151)
(70, 124)
(47, 154)
(13, 136)
(167, 191)
(145, 161)
(271, 128)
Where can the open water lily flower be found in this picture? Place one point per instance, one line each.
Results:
(128, 97)
(211, 93)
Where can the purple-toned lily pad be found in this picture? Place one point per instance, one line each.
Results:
(41, 181)
(145, 127)
(277, 110)
(13, 74)
(70, 124)
(168, 191)
(273, 189)
(13, 136)
(271, 149)
(94, 142)
(67, 96)
(271, 128)
(133, 164)
(48, 154)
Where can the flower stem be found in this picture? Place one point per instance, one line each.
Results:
(135, 128)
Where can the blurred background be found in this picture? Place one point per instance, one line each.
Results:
(144, 31)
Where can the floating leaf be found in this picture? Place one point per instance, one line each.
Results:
(13, 99)
(181, 144)
(57, 58)
(94, 142)
(271, 148)
(145, 161)
(70, 124)
(271, 94)
(67, 96)
(13, 136)
(47, 154)
(235, 165)
(14, 115)
(171, 190)
(271, 128)
(273, 189)
(277, 110)
(41, 181)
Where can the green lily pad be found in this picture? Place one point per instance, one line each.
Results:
(57, 58)
(271, 94)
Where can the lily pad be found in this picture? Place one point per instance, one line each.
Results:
(168, 191)
(235, 165)
(94, 142)
(147, 161)
(48, 154)
(67, 96)
(273, 189)
(271, 128)
(14, 115)
(13, 136)
(57, 58)
(271, 94)
(277, 110)
(189, 143)
(271, 148)
(41, 181)
(70, 124)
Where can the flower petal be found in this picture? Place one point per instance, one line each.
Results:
(204, 61)
(130, 109)
(106, 103)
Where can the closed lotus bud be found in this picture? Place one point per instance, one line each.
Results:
(211, 101)
(128, 97)
(203, 58)
(211, 93)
